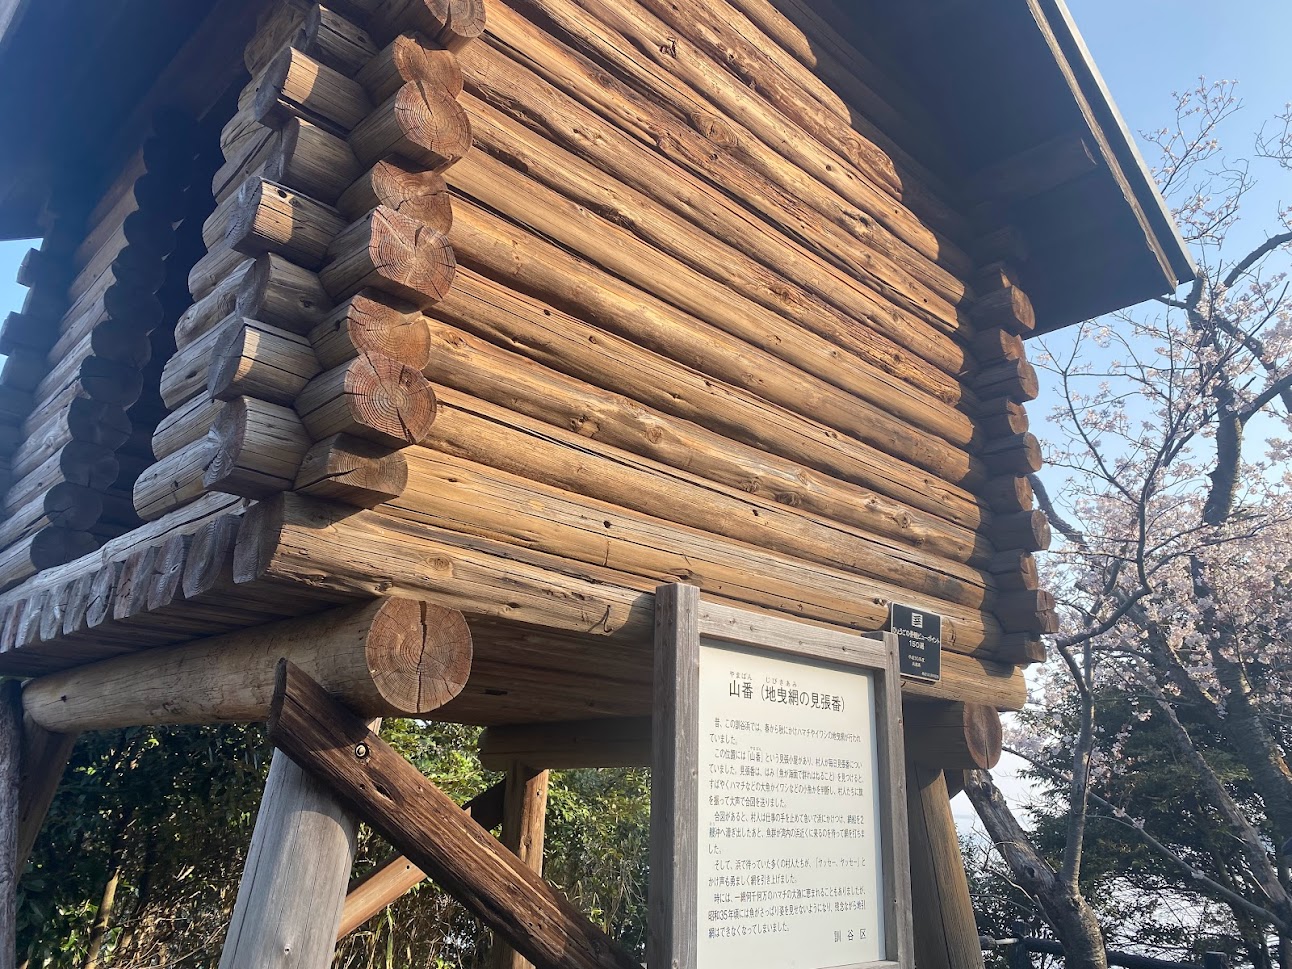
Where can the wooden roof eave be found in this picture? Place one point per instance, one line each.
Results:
(1005, 79)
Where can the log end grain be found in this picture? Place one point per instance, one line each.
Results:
(420, 655)
(372, 397)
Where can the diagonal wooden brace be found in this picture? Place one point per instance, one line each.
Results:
(335, 746)
(392, 880)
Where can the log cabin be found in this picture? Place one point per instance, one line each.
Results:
(517, 310)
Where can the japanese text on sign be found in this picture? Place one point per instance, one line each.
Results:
(789, 862)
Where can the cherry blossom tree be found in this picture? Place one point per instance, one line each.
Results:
(1168, 456)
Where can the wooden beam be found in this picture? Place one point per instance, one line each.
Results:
(417, 818)
(524, 817)
(1034, 171)
(392, 880)
(953, 736)
(295, 544)
(294, 881)
(619, 742)
(44, 759)
(396, 657)
(946, 935)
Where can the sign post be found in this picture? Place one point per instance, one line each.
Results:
(778, 804)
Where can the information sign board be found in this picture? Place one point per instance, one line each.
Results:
(778, 801)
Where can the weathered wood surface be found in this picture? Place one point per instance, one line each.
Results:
(524, 816)
(44, 759)
(298, 543)
(719, 430)
(820, 580)
(328, 117)
(719, 305)
(953, 736)
(294, 880)
(946, 935)
(256, 448)
(703, 299)
(368, 324)
(390, 657)
(389, 881)
(565, 746)
(759, 177)
(372, 397)
(481, 239)
(352, 470)
(429, 828)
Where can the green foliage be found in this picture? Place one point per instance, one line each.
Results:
(170, 812)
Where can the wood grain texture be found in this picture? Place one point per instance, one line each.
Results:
(44, 758)
(953, 736)
(353, 471)
(299, 543)
(294, 881)
(419, 122)
(524, 816)
(372, 397)
(389, 657)
(392, 880)
(675, 785)
(430, 829)
(947, 935)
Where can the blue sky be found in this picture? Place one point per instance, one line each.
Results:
(1148, 48)
(11, 294)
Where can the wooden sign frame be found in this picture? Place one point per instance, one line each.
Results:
(682, 621)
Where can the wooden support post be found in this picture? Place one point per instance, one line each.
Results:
(524, 816)
(294, 881)
(392, 880)
(418, 819)
(10, 766)
(946, 936)
(44, 758)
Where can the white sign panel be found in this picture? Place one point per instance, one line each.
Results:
(789, 857)
(778, 796)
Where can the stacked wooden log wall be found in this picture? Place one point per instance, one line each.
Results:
(77, 354)
(299, 365)
(706, 303)
(719, 317)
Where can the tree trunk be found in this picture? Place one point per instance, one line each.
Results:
(1069, 914)
(143, 895)
(101, 924)
(108, 900)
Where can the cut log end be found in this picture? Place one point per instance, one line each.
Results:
(393, 253)
(372, 397)
(453, 23)
(419, 122)
(954, 735)
(353, 471)
(420, 655)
